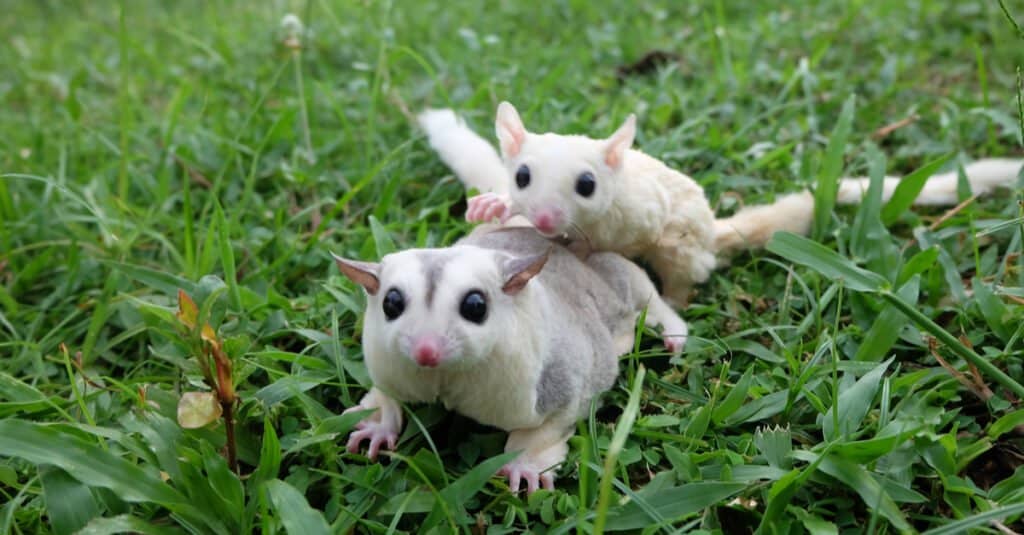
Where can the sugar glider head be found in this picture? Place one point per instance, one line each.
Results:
(442, 308)
(561, 183)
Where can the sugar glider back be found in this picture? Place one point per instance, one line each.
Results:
(505, 328)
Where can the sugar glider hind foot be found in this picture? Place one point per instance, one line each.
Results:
(542, 450)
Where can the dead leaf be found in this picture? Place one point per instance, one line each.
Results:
(197, 409)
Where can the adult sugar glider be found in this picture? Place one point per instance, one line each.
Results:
(505, 328)
(619, 199)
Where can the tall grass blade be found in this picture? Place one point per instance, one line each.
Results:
(294, 511)
(831, 168)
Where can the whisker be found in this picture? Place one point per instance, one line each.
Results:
(581, 236)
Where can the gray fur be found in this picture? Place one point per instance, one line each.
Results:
(596, 302)
(432, 265)
(551, 392)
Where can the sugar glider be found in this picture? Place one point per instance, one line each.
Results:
(505, 328)
(620, 199)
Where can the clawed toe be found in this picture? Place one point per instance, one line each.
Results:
(485, 207)
(378, 435)
(674, 344)
(535, 478)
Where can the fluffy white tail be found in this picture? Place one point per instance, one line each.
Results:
(753, 226)
(468, 155)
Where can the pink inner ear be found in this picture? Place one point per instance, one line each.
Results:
(619, 143)
(613, 156)
(615, 153)
(524, 269)
(510, 130)
(512, 138)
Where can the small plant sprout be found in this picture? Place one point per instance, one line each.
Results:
(198, 409)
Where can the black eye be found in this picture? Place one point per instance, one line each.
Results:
(523, 176)
(585, 184)
(394, 304)
(474, 307)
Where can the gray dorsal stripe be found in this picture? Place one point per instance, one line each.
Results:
(432, 265)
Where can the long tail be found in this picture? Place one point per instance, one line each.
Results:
(753, 226)
(468, 155)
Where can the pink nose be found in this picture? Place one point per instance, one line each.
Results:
(426, 351)
(547, 221)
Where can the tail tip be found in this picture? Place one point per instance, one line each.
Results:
(435, 120)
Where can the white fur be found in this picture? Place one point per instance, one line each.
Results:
(640, 206)
(491, 392)
(472, 158)
(753, 226)
(984, 176)
(531, 366)
(643, 208)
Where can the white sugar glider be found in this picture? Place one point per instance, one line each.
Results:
(505, 328)
(620, 199)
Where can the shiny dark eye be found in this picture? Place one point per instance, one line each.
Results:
(474, 307)
(523, 176)
(394, 304)
(585, 184)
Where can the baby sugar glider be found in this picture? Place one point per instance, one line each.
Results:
(505, 328)
(617, 198)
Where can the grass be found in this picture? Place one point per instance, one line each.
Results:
(150, 147)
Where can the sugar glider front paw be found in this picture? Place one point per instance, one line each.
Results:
(487, 206)
(378, 433)
(380, 427)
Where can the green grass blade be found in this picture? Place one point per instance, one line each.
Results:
(164, 282)
(672, 503)
(924, 322)
(622, 430)
(227, 258)
(831, 168)
(462, 489)
(270, 455)
(853, 404)
(125, 524)
(867, 226)
(1006, 423)
(963, 525)
(886, 328)
(992, 309)
(919, 263)
(381, 238)
(84, 461)
(809, 253)
(69, 504)
(860, 480)
(734, 399)
(294, 511)
(909, 187)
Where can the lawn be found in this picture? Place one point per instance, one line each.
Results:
(157, 154)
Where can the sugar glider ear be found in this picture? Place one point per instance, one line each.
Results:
(616, 146)
(518, 271)
(364, 274)
(510, 130)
